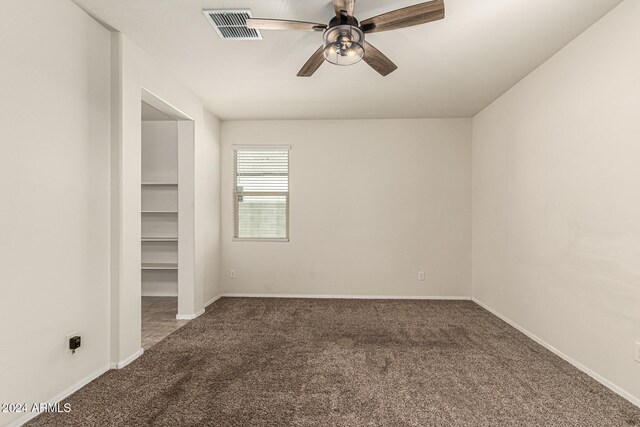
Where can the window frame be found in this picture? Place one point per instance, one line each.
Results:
(259, 147)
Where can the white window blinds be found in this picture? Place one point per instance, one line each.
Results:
(261, 197)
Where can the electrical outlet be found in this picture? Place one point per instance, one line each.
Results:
(233, 274)
(637, 352)
(421, 276)
(67, 338)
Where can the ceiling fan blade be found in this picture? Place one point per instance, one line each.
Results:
(281, 24)
(312, 64)
(405, 17)
(344, 5)
(377, 60)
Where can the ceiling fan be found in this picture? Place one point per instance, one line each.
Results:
(344, 38)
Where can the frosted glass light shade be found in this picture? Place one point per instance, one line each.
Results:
(343, 45)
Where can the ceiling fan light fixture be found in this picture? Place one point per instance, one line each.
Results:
(343, 44)
(343, 38)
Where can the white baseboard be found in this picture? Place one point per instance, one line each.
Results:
(61, 396)
(212, 300)
(318, 296)
(190, 316)
(199, 313)
(121, 364)
(605, 382)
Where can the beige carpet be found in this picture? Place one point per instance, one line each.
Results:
(284, 362)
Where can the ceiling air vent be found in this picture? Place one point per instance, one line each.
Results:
(231, 24)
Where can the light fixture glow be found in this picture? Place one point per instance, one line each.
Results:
(343, 44)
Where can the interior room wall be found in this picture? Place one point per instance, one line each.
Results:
(209, 251)
(159, 151)
(372, 203)
(54, 212)
(556, 206)
(136, 71)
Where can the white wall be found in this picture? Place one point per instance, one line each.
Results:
(159, 151)
(70, 170)
(556, 200)
(54, 208)
(136, 71)
(372, 203)
(209, 251)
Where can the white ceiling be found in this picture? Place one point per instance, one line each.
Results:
(450, 68)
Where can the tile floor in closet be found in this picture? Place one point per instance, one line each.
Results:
(159, 319)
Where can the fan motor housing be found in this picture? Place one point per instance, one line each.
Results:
(344, 20)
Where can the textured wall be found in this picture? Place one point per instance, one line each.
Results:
(556, 205)
(372, 203)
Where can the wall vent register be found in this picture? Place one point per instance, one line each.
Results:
(231, 24)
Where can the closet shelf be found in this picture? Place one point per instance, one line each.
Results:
(159, 266)
(159, 212)
(159, 239)
(160, 184)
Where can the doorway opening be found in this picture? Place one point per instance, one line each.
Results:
(160, 246)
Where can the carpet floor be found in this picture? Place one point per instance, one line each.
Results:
(305, 362)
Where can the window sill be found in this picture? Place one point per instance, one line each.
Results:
(240, 239)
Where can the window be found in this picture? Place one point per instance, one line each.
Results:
(261, 196)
